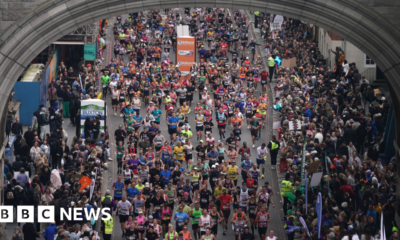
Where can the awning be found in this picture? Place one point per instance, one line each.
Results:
(68, 43)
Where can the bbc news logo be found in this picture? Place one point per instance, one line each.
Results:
(46, 214)
(186, 42)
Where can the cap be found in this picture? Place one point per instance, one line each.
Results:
(201, 141)
(100, 142)
(337, 163)
(150, 216)
(186, 193)
(108, 192)
(344, 205)
(369, 172)
(67, 184)
(213, 166)
(147, 184)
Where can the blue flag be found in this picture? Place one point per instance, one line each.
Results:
(318, 208)
(291, 229)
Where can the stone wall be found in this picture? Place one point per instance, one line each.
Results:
(12, 10)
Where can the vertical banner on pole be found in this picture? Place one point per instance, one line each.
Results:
(305, 188)
(185, 55)
(319, 212)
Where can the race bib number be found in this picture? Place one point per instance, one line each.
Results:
(204, 200)
(225, 207)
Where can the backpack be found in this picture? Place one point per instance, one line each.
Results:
(39, 119)
(107, 201)
(10, 195)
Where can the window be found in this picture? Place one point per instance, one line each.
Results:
(368, 61)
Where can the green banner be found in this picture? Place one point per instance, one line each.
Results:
(89, 52)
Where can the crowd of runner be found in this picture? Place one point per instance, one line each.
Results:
(183, 183)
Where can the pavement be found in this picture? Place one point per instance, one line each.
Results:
(271, 176)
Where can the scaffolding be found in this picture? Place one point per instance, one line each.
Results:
(88, 32)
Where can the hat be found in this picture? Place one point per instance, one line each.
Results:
(213, 166)
(316, 159)
(66, 234)
(344, 205)
(108, 192)
(289, 211)
(383, 98)
(150, 216)
(369, 172)
(201, 141)
(43, 109)
(216, 164)
(307, 154)
(186, 194)
(337, 163)
(67, 184)
(314, 152)
(100, 143)
(147, 184)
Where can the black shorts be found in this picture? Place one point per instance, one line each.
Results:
(262, 230)
(199, 128)
(146, 93)
(226, 213)
(158, 148)
(254, 133)
(249, 115)
(264, 82)
(189, 98)
(195, 226)
(117, 198)
(122, 100)
(123, 218)
(222, 126)
(171, 131)
(166, 222)
(114, 101)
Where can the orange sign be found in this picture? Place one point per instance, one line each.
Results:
(85, 181)
(185, 54)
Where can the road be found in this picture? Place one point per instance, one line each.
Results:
(276, 213)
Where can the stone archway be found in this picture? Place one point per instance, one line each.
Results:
(358, 21)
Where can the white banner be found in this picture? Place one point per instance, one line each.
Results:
(278, 18)
(304, 225)
(276, 26)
